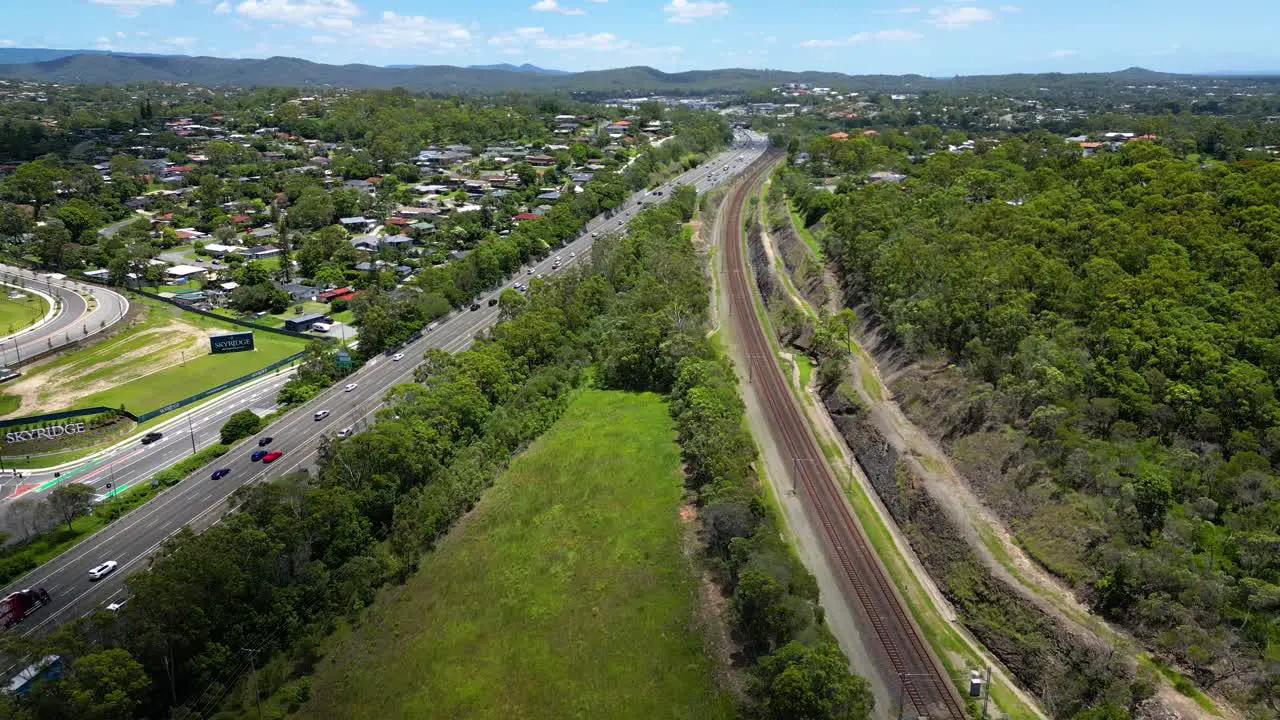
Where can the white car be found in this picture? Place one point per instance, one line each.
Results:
(346, 432)
(573, 254)
(530, 272)
(103, 570)
(397, 357)
(321, 414)
(349, 387)
(115, 606)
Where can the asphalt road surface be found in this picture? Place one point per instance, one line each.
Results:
(77, 320)
(199, 501)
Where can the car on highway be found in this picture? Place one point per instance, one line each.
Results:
(263, 442)
(397, 357)
(321, 414)
(493, 301)
(573, 254)
(530, 272)
(151, 437)
(349, 387)
(221, 473)
(271, 457)
(347, 431)
(595, 234)
(257, 455)
(475, 306)
(433, 326)
(115, 606)
(103, 570)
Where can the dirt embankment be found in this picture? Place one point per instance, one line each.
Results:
(1063, 667)
(805, 271)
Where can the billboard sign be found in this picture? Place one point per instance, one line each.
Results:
(231, 342)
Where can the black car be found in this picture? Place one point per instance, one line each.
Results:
(151, 437)
(263, 442)
(219, 474)
(493, 301)
(475, 306)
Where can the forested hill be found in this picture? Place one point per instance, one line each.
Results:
(280, 71)
(1115, 322)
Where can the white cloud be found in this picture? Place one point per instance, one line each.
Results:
(142, 34)
(223, 8)
(405, 31)
(323, 39)
(1009, 9)
(131, 7)
(687, 11)
(7, 43)
(860, 38)
(1062, 53)
(181, 42)
(555, 7)
(955, 18)
(120, 35)
(523, 39)
(908, 10)
(332, 14)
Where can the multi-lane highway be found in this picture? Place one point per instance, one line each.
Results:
(199, 501)
(83, 310)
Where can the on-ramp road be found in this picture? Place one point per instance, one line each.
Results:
(199, 501)
(77, 319)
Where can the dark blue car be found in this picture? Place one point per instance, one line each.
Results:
(219, 474)
(258, 455)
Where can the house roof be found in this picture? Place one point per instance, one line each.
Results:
(524, 216)
(185, 270)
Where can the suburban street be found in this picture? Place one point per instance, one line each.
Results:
(77, 319)
(199, 501)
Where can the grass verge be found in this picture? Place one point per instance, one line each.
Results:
(18, 314)
(565, 594)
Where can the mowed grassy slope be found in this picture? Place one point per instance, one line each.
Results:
(164, 378)
(565, 594)
(17, 314)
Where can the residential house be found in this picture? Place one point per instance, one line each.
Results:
(540, 160)
(328, 296)
(260, 252)
(357, 224)
(367, 243)
(299, 292)
(183, 273)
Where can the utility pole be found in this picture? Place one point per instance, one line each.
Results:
(257, 696)
(986, 694)
(192, 430)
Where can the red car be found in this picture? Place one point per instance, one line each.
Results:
(272, 456)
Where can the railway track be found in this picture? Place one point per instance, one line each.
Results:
(922, 682)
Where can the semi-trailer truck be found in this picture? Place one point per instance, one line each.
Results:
(18, 605)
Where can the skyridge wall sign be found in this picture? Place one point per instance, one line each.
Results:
(231, 342)
(21, 436)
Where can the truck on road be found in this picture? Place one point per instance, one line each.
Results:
(18, 605)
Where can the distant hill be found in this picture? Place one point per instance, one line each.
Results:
(525, 68)
(19, 56)
(89, 68)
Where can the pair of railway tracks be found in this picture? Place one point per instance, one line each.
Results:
(920, 676)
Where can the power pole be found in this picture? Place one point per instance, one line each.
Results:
(253, 666)
(191, 429)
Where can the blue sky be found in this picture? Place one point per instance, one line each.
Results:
(943, 37)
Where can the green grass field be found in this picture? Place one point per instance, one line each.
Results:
(17, 314)
(565, 594)
(104, 362)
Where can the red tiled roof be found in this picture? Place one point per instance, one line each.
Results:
(524, 216)
(839, 136)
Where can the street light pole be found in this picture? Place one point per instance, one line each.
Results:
(191, 429)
